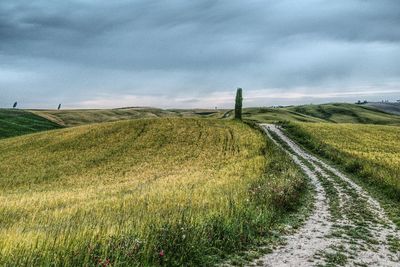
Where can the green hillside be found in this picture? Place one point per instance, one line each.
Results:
(335, 113)
(277, 114)
(14, 122)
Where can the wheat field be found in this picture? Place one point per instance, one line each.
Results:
(140, 192)
(369, 151)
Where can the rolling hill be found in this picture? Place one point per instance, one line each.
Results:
(165, 191)
(19, 122)
(78, 117)
(334, 113)
(393, 108)
(144, 187)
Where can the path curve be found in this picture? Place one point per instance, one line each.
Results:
(347, 226)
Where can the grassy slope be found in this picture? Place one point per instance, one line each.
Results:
(348, 113)
(14, 122)
(85, 116)
(336, 113)
(276, 114)
(370, 152)
(122, 192)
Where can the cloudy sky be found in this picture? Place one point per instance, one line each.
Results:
(180, 53)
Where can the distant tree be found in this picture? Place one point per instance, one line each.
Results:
(238, 104)
(59, 106)
(15, 104)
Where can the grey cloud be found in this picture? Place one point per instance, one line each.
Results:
(82, 49)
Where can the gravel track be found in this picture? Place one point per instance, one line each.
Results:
(347, 226)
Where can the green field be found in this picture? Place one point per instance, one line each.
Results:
(334, 113)
(370, 152)
(15, 122)
(141, 192)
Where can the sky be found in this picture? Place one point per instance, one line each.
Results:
(194, 54)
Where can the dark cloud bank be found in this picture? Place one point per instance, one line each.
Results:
(195, 53)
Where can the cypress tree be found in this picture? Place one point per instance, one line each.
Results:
(238, 104)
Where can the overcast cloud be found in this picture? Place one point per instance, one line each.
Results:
(179, 53)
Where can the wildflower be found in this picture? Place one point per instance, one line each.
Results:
(161, 253)
(106, 262)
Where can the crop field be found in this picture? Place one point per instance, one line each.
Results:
(370, 151)
(347, 113)
(140, 192)
(76, 117)
(335, 113)
(15, 122)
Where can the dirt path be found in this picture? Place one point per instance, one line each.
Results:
(347, 227)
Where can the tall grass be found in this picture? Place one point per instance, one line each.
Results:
(140, 193)
(371, 152)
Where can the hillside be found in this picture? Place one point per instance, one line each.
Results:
(76, 117)
(14, 122)
(140, 193)
(335, 113)
(277, 114)
(393, 108)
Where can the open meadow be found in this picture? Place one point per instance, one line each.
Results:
(168, 191)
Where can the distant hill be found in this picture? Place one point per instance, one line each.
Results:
(75, 117)
(14, 122)
(333, 112)
(393, 108)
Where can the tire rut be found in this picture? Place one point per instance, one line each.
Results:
(347, 227)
